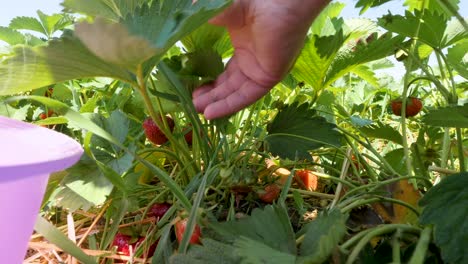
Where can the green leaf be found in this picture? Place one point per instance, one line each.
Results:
(11, 36)
(348, 60)
(86, 180)
(202, 63)
(382, 131)
(302, 130)
(206, 37)
(445, 208)
(28, 23)
(67, 198)
(332, 10)
(366, 4)
(451, 116)
(147, 33)
(55, 236)
(458, 58)
(311, 73)
(322, 236)
(15, 113)
(394, 159)
(432, 5)
(113, 43)
(432, 28)
(269, 225)
(109, 9)
(49, 22)
(366, 73)
(63, 59)
(253, 251)
(212, 251)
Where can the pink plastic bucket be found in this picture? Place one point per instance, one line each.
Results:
(28, 154)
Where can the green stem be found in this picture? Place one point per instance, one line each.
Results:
(396, 248)
(445, 148)
(365, 201)
(378, 185)
(461, 154)
(453, 101)
(369, 146)
(407, 156)
(380, 230)
(420, 251)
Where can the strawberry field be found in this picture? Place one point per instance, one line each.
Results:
(342, 162)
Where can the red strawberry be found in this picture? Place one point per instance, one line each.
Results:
(158, 210)
(307, 178)
(154, 133)
(180, 229)
(270, 193)
(413, 106)
(123, 243)
(188, 136)
(44, 115)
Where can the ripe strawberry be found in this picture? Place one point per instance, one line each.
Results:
(188, 136)
(180, 229)
(307, 178)
(154, 133)
(123, 243)
(270, 193)
(158, 210)
(413, 106)
(44, 115)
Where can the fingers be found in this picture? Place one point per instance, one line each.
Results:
(246, 95)
(232, 92)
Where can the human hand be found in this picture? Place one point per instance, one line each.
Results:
(267, 36)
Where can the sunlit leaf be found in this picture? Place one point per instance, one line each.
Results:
(29, 23)
(432, 5)
(109, 9)
(458, 58)
(433, 28)
(365, 73)
(331, 11)
(27, 68)
(148, 32)
(347, 60)
(11, 36)
(366, 4)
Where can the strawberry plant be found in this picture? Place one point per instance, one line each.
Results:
(326, 168)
